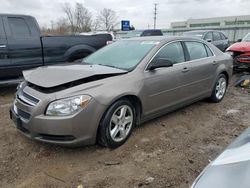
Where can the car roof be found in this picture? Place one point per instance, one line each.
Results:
(201, 31)
(163, 38)
(15, 15)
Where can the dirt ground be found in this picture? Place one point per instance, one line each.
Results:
(166, 152)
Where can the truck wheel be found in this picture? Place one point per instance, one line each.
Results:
(117, 124)
(219, 89)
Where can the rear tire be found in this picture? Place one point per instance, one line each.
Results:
(117, 124)
(219, 89)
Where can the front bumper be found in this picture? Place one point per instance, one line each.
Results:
(75, 130)
(241, 65)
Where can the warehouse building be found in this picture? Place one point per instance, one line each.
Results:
(235, 27)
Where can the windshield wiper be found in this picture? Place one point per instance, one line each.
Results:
(110, 66)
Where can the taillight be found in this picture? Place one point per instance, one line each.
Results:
(109, 42)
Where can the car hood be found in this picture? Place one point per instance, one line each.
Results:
(52, 76)
(240, 47)
(231, 169)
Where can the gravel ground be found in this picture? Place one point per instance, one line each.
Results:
(166, 152)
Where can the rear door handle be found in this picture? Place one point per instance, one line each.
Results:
(214, 62)
(2, 46)
(185, 69)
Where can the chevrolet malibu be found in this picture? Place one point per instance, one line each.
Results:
(116, 88)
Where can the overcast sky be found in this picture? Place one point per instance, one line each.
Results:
(139, 12)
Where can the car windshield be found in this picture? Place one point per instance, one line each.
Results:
(193, 34)
(246, 38)
(121, 54)
(132, 34)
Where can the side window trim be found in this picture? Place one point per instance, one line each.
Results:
(206, 50)
(185, 50)
(207, 47)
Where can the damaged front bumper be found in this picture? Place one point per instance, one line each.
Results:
(241, 60)
(240, 65)
(73, 130)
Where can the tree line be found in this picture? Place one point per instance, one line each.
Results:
(79, 19)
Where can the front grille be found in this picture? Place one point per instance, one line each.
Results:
(23, 114)
(27, 98)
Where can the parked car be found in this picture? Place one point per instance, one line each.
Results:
(98, 33)
(143, 33)
(105, 96)
(230, 169)
(22, 47)
(241, 53)
(217, 38)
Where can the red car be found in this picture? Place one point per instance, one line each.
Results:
(241, 53)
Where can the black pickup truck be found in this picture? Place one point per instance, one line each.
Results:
(22, 46)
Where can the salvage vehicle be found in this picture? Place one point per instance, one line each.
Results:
(22, 47)
(118, 87)
(217, 38)
(241, 53)
(230, 169)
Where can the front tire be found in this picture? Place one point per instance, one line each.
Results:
(117, 124)
(219, 89)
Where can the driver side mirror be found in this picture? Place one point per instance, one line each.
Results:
(239, 40)
(159, 63)
(209, 40)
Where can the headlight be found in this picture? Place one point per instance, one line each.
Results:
(230, 53)
(68, 106)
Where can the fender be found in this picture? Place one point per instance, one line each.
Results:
(220, 69)
(78, 49)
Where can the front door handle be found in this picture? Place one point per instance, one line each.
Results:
(185, 69)
(2, 46)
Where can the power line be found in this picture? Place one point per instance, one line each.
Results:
(155, 13)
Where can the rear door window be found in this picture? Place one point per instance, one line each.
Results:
(172, 52)
(19, 28)
(208, 36)
(2, 33)
(216, 36)
(223, 37)
(196, 50)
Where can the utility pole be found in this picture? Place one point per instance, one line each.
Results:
(155, 13)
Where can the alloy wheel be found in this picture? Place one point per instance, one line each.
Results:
(121, 123)
(221, 88)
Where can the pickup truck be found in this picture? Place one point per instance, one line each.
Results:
(22, 47)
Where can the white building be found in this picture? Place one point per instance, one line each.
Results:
(235, 27)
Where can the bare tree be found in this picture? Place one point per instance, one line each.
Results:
(79, 18)
(83, 18)
(108, 19)
(96, 24)
(70, 15)
(60, 27)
